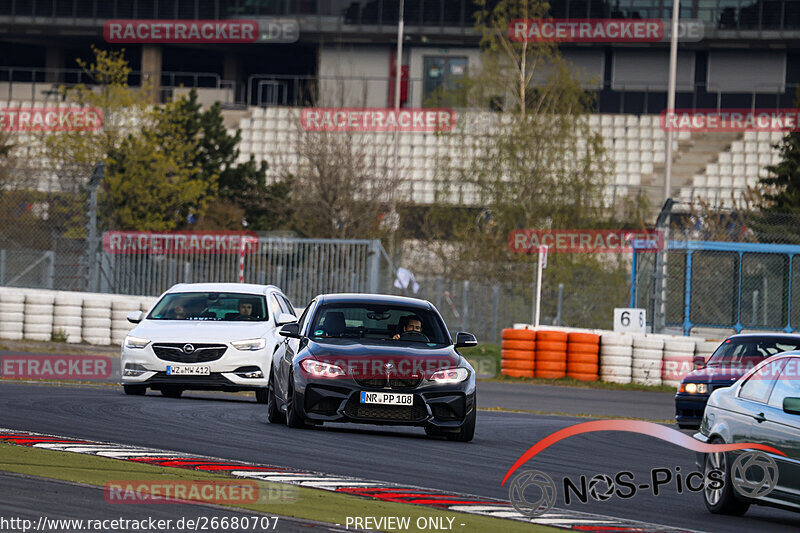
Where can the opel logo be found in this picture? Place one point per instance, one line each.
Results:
(188, 348)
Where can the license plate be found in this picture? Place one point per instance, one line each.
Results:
(173, 370)
(387, 398)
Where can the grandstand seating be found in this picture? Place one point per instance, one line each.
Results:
(635, 152)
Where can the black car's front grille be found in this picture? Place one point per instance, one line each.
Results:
(392, 382)
(386, 413)
(188, 352)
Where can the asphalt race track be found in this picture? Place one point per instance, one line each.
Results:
(235, 427)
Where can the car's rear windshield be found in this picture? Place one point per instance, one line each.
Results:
(219, 306)
(751, 350)
(378, 323)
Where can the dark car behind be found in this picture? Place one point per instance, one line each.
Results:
(734, 357)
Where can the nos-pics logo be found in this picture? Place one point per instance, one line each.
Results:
(752, 474)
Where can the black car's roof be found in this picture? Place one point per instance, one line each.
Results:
(373, 298)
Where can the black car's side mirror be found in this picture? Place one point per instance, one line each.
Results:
(791, 406)
(465, 340)
(291, 329)
(699, 362)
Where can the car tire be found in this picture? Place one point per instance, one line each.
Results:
(293, 418)
(135, 390)
(172, 392)
(723, 500)
(262, 396)
(467, 430)
(274, 415)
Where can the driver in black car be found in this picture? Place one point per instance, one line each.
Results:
(408, 323)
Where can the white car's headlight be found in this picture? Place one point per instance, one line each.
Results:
(450, 375)
(250, 344)
(136, 343)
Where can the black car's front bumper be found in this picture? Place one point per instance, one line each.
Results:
(443, 407)
(689, 409)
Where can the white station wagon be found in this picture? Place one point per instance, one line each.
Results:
(206, 336)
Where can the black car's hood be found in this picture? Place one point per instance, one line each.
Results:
(371, 359)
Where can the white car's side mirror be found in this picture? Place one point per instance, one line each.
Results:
(285, 318)
(134, 317)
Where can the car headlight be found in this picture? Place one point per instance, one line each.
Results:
(694, 388)
(318, 369)
(136, 343)
(250, 344)
(450, 375)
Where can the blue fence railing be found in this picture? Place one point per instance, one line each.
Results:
(732, 285)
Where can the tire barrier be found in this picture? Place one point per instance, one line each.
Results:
(551, 354)
(616, 357)
(12, 314)
(68, 316)
(648, 351)
(120, 309)
(583, 356)
(518, 353)
(677, 360)
(96, 325)
(38, 316)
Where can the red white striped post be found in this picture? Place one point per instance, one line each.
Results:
(245, 242)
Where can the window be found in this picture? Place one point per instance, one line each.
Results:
(441, 76)
(788, 383)
(287, 305)
(304, 317)
(210, 306)
(275, 305)
(759, 385)
(377, 323)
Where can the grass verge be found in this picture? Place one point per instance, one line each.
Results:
(310, 504)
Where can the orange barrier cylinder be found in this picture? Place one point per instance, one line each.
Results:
(583, 356)
(518, 353)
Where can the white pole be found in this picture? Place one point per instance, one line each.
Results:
(537, 309)
(398, 69)
(673, 68)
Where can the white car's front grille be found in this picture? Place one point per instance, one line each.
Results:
(188, 352)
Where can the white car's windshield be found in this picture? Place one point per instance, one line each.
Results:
(219, 306)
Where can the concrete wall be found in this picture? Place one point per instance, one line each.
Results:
(366, 70)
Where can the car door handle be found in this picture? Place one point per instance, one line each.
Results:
(760, 417)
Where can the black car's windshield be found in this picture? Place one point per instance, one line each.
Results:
(378, 323)
(219, 306)
(751, 351)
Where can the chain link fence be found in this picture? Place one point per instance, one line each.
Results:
(728, 270)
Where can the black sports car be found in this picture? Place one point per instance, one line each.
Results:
(373, 359)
